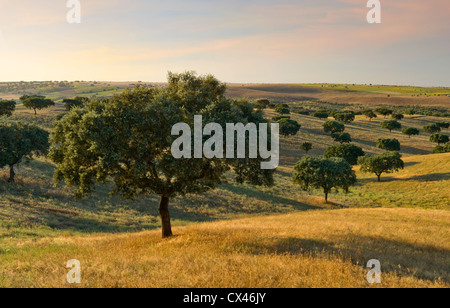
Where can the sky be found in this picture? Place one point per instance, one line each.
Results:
(245, 41)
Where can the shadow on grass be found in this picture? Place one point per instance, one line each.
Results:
(406, 259)
(432, 177)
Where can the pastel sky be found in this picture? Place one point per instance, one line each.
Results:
(250, 41)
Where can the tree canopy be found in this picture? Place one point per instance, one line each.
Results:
(349, 152)
(323, 173)
(71, 103)
(389, 144)
(282, 109)
(369, 114)
(7, 107)
(439, 138)
(387, 162)
(19, 142)
(333, 127)
(342, 137)
(289, 127)
(36, 102)
(432, 128)
(345, 116)
(128, 139)
(306, 146)
(391, 125)
(411, 131)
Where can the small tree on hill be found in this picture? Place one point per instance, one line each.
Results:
(389, 144)
(19, 142)
(369, 114)
(384, 111)
(342, 137)
(289, 127)
(262, 104)
(7, 107)
(282, 109)
(388, 162)
(391, 125)
(432, 129)
(333, 127)
(439, 138)
(321, 115)
(76, 102)
(349, 152)
(307, 146)
(346, 116)
(36, 102)
(411, 131)
(445, 125)
(322, 173)
(398, 116)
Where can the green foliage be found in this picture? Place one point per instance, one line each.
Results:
(127, 139)
(276, 119)
(333, 127)
(321, 115)
(389, 144)
(445, 125)
(19, 142)
(342, 137)
(76, 102)
(262, 104)
(282, 109)
(442, 149)
(369, 113)
(349, 152)
(306, 146)
(388, 162)
(391, 125)
(384, 111)
(36, 102)
(439, 138)
(346, 116)
(7, 107)
(322, 173)
(289, 127)
(432, 128)
(398, 116)
(411, 131)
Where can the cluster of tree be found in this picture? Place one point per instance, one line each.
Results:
(124, 139)
(391, 125)
(7, 107)
(384, 111)
(442, 149)
(345, 116)
(283, 109)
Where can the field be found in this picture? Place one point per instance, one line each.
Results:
(242, 235)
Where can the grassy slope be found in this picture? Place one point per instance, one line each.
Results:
(38, 220)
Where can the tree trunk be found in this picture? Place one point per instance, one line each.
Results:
(379, 178)
(326, 197)
(11, 174)
(35, 112)
(165, 217)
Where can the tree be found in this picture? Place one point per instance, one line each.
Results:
(7, 107)
(282, 109)
(391, 125)
(346, 116)
(289, 127)
(388, 162)
(321, 115)
(262, 104)
(442, 149)
(432, 129)
(322, 173)
(74, 102)
(369, 114)
(445, 125)
(342, 137)
(19, 142)
(349, 152)
(307, 146)
(398, 116)
(384, 111)
(36, 102)
(333, 127)
(127, 139)
(389, 144)
(439, 138)
(411, 131)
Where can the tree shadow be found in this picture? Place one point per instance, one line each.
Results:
(406, 259)
(432, 177)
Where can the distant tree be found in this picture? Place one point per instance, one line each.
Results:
(432, 129)
(445, 125)
(307, 146)
(442, 149)
(439, 138)
(387, 162)
(71, 103)
(411, 131)
(384, 111)
(398, 116)
(342, 137)
(389, 144)
(321, 115)
(346, 117)
(276, 119)
(289, 127)
(349, 152)
(322, 173)
(369, 114)
(36, 102)
(333, 127)
(7, 107)
(127, 139)
(262, 104)
(391, 125)
(19, 142)
(281, 109)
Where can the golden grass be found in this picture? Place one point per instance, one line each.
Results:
(326, 248)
